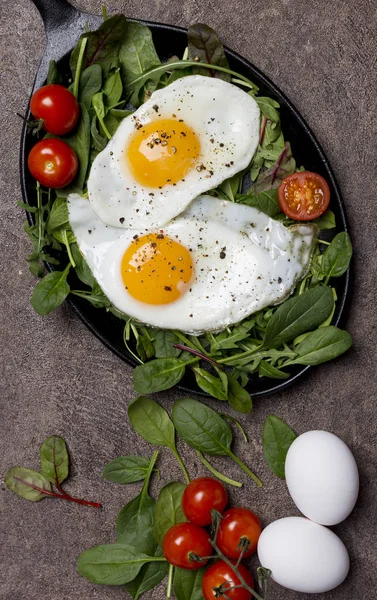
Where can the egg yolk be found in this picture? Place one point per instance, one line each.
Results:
(162, 152)
(156, 269)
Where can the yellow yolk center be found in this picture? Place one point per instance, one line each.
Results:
(156, 269)
(163, 152)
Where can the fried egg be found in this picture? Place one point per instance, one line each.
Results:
(211, 267)
(185, 140)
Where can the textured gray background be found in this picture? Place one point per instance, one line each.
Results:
(57, 378)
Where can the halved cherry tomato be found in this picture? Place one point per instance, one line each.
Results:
(221, 574)
(200, 497)
(57, 106)
(304, 196)
(239, 527)
(183, 540)
(53, 163)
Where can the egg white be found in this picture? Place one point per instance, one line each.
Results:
(224, 118)
(243, 261)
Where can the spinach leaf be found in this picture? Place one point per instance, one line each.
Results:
(100, 110)
(215, 386)
(277, 437)
(230, 187)
(98, 141)
(144, 345)
(154, 425)
(164, 341)
(326, 221)
(53, 75)
(103, 45)
(54, 459)
(50, 292)
(90, 84)
(204, 430)
(113, 89)
(168, 509)
(188, 584)
(204, 46)
(80, 142)
(321, 345)
(58, 217)
(113, 564)
(82, 269)
(96, 297)
(22, 482)
(135, 520)
(298, 315)
(126, 469)
(238, 398)
(336, 258)
(158, 375)
(268, 107)
(149, 576)
(267, 201)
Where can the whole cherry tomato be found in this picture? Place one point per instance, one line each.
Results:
(221, 574)
(57, 106)
(53, 163)
(238, 527)
(183, 540)
(304, 196)
(200, 497)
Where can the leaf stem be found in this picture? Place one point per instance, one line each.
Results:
(104, 12)
(67, 245)
(181, 464)
(197, 353)
(245, 468)
(62, 496)
(170, 582)
(217, 473)
(76, 82)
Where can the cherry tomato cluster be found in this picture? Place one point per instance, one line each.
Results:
(189, 546)
(52, 161)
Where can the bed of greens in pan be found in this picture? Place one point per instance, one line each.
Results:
(115, 70)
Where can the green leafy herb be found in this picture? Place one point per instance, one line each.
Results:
(168, 509)
(113, 89)
(298, 315)
(164, 341)
(53, 75)
(204, 430)
(50, 292)
(337, 257)
(266, 202)
(238, 398)
(148, 577)
(135, 520)
(204, 46)
(158, 375)
(90, 84)
(127, 469)
(277, 437)
(80, 142)
(35, 486)
(188, 584)
(154, 425)
(54, 459)
(215, 386)
(113, 564)
(321, 345)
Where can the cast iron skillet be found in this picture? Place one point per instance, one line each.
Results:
(64, 24)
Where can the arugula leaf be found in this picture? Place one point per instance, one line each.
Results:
(204, 46)
(149, 576)
(22, 481)
(298, 315)
(126, 469)
(168, 509)
(229, 338)
(266, 369)
(113, 564)
(54, 459)
(135, 521)
(50, 292)
(188, 584)
(277, 437)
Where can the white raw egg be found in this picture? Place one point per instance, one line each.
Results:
(322, 477)
(203, 271)
(303, 556)
(186, 139)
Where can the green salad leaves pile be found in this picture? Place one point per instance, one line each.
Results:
(113, 71)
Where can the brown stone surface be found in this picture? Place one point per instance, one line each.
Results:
(58, 378)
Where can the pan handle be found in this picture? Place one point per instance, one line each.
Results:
(56, 14)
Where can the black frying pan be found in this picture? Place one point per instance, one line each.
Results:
(64, 24)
